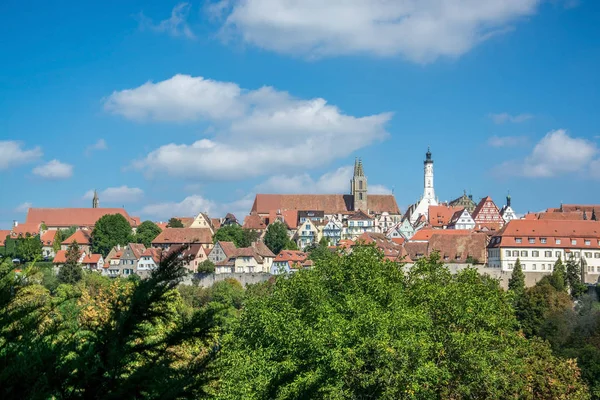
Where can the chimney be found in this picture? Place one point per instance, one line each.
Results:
(15, 223)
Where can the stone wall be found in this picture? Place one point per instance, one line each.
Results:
(531, 278)
(207, 280)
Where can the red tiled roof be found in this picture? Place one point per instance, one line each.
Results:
(254, 221)
(400, 240)
(228, 248)
(579, 207)
(162, 225)
(440, 216)
(359, 216)
(183, 235)
(565, 216)
(137, 249)
(329, 203)
(216, 223)
(66, 217)
(457, 248)
(551, 230)
(291, 256)
(3, 235)
(186, 221)
(425, 234)
(23, 229)
(154, 253)
(262, 249)
(391, 250)
(60, 257)
(81, 237)
(48, 237)
(91, 259)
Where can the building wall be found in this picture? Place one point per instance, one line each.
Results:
(207, 280)
(540, 259)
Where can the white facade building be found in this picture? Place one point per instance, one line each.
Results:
(507, 212)
(461, 220)
(539, 243)
(428, 199)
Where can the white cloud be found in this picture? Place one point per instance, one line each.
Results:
(555, 154)
(54, 170)
(420, 30)
(176, 25)
(337, 181)
(98, 146)
(24, 207)
(257, 131)
(507, 141)
(506, 117)
(120, 194)
(12, 154)
(190, 206)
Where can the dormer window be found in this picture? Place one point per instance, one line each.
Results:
(573, 242)
(518, 240)
(532, 240)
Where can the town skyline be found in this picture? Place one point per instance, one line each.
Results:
(111, 118)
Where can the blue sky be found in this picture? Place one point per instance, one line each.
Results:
(172, 108)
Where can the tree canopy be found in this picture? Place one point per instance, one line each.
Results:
(147, 232)
(234, 233)
(174, 223)
(109, 231)
(516, 283)
(70, 271)
(276, 237)
(356, 326)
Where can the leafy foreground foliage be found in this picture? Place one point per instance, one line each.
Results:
(354, 327)
(103, 339)
(358, 327)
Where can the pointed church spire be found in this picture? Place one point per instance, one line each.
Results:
(355, 165)
(95, 200)
(508, 199)
(359, 170)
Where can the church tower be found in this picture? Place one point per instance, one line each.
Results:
(428, 198)
(428, 191)
(358, 187)
(95, 200)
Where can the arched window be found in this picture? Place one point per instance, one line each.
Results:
(360, 185)
(360, 196)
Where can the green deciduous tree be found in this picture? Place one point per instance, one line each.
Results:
(206, 267)
(115, 340)
(109, 231)
(29, 248)
(174, 223)
(71, 271)
(573, 277)
(356, 326)
(234, 233)
(276, 237)
(147, 232)
(516, 283)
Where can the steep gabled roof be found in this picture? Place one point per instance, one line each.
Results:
(424, 235)
(22, 230)
(137, 249)
(81, 237)
(91, 259)
(329, 203)
(358, 216)
(228, 248)
(154, 253)
(48, 237)
(183, 235)
(440, 216)
(255, 222)
(66, 217)
(262, 249)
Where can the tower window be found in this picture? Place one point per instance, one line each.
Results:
(360, 196)
(360, 185)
